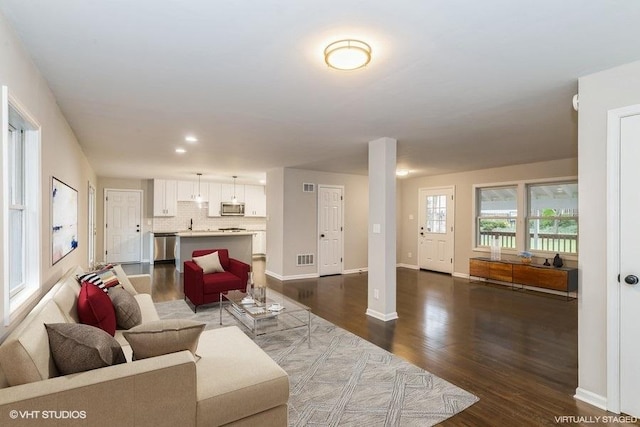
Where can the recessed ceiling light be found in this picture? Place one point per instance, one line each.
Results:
(180, 150)
(347, 54)
(190, 138)
(402, 172)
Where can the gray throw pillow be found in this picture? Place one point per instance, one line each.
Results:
(163, 337)
(76, 347)
(128, 312)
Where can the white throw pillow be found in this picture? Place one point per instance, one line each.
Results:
(209, 263)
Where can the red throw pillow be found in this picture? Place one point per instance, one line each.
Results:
(96, 309)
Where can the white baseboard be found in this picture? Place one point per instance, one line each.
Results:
(460, 275)
(356, 270)
(591, 398)
(291, 277)
(272, 274)
(411, 266)
(381, 316)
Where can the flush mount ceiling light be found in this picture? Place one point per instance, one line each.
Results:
(180, 150)
(347, 54)
(190, 138)
(402, 172)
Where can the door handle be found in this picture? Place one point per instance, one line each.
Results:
(631, 280)
(421, 233)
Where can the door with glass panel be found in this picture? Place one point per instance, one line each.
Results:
(436, 230)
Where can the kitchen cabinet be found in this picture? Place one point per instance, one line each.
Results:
(259, 243)
(558, 279)
(228, 191)
(255, 200)
(165, 197)
(188, 191)
(215, 197)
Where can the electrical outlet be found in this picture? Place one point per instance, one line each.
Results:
(376, 294)
(410, 255)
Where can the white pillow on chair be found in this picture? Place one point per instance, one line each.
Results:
(209, 263)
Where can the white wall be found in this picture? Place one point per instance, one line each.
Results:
(275, 221)
(464, 215)
(292, 219)
(599, 93)
(62, 157)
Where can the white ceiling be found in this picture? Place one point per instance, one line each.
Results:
(461, 84)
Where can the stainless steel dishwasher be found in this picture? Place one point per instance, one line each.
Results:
(164, 247)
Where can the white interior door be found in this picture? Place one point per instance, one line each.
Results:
(91, 232)
(123, 235)
(330, 230)
(436, 233)
(629, 266)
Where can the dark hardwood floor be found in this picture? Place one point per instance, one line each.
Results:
(516, 350)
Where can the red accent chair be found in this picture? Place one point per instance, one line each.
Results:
(206, 288)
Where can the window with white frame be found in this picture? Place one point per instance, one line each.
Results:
(17, 212)
(21, 149)
(552, 218)
(496, 216)
(538, 216)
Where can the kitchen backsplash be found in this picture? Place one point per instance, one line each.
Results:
(190, 210)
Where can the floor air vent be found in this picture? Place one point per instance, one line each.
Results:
(304, 259)
(308, 187)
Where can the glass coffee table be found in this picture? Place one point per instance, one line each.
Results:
(257, 317)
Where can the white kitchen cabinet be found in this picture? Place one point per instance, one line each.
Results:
(228, 192)
(188, 191)
(255, 200)
(165, 197)
(259, 243)
(215, 197)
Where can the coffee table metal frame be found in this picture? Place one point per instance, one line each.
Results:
(231, 302)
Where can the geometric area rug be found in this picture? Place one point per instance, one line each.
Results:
(344, 380)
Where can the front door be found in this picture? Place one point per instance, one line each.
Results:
(436, 231)
(629, 265)
(330, 230)
(123, 235)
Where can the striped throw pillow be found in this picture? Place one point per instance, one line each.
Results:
(104, 278)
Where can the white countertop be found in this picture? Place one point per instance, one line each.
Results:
(214, 233)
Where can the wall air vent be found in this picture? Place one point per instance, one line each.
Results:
(304, 259)
(308, 187)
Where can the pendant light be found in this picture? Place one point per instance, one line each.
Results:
(234, 200)
(199, 197)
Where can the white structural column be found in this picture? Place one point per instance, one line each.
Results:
(382, 229)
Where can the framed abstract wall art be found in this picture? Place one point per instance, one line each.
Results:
(64, 219)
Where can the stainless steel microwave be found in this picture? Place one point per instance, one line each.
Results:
(231, 209)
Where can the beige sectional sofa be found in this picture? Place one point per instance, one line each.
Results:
(232, 383)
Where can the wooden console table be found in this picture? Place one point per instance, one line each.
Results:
(558, 279)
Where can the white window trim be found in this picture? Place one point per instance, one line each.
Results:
(13, 308)
(521, 218)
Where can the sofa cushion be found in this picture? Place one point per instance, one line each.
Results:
(209, 263)
(219, 282)
(25, 355)
(164, 337)
(149, 314)
(252, 381)
(127, 310)
(95, 308)
(77, 348)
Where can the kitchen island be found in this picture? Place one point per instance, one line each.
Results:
(239, 244)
